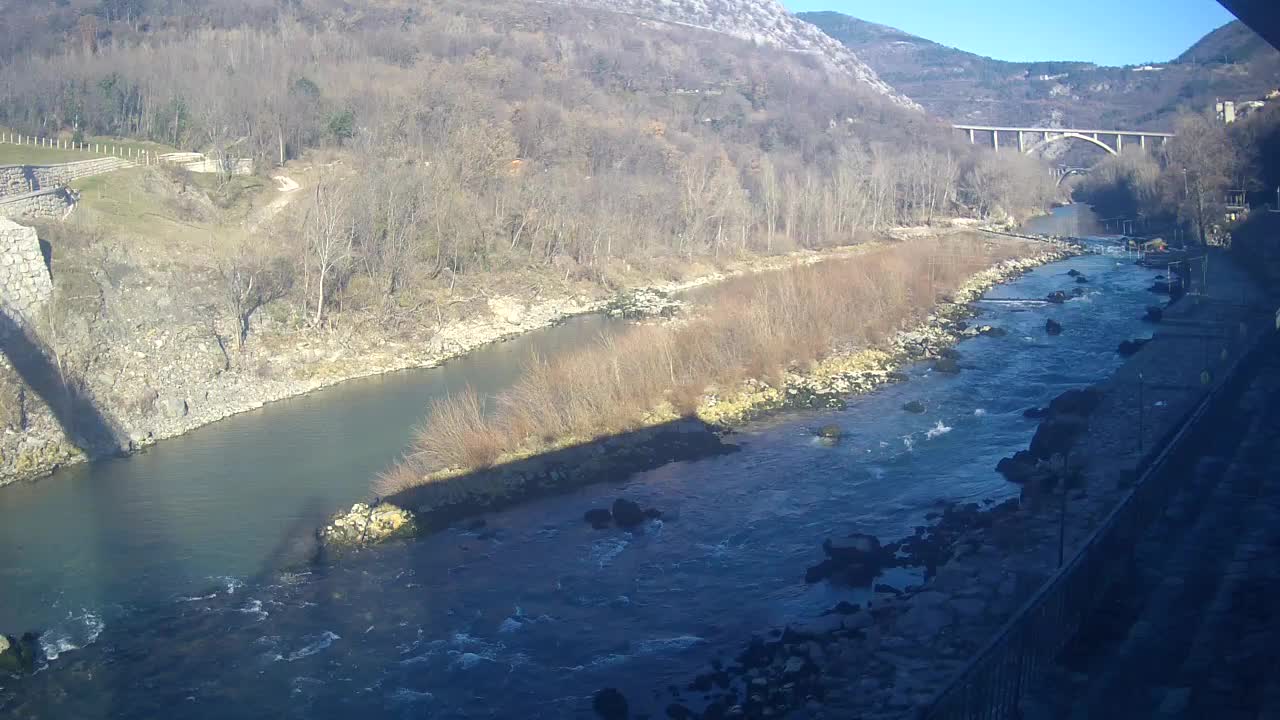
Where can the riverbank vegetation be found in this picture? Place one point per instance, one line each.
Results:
(1197, 181)
(757, 328)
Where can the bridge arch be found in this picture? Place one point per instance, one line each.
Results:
(1070, 136)
(1070, 172)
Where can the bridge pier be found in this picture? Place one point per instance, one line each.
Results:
(1022, 146)
(970, 136)
(1120, 144)
(995, 140)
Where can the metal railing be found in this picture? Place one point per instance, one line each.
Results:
(992, 683)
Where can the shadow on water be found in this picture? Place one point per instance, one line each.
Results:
(616, 457)
(275, 644)
(526, 613)
(84, 423)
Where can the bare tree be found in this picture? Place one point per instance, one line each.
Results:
(328, 238)
(1201, 161)
(249, 280)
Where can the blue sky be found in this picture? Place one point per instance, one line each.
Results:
(1107, 32)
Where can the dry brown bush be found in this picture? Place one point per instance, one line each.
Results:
(757, 327)
(458, 434)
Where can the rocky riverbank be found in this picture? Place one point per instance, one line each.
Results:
(890, 657)
(169, 373)
(562, 467)
(852, 371)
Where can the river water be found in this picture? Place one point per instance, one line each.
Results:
(160, 576)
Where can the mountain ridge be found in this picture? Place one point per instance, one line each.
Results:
(1230, 62)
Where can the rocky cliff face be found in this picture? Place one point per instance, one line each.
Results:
(762, 21)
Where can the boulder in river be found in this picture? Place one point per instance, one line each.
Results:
(1053, 327)
(1057, 297)
(990, 331)
(610, 704)
(830, 432)
(1019, 469)
(627, 514)
(1154, 314)
(1129, 348)
(1077, 292)
(855, 560)
(600, 518)
(18, 655)
(364, 525)
(1074, 273)
(946, 365)
(1082, 279)
(1077, 401)
(1056, 435)
(915, 406)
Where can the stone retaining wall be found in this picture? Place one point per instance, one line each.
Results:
(200, 163)
(52, 203)
(23, 179)
(25, 284)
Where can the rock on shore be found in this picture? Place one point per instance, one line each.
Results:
(363, 525)
(643, 303)
(1064, 421)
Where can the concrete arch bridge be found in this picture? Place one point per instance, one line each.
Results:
(1031, 140)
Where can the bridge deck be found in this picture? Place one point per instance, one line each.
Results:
(1126, 133)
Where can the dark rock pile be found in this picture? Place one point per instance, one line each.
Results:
(18, 655)
(1129, 348)
(855, 560)
(625, 513)
(1064, 421)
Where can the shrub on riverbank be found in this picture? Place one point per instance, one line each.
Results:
(756, 327)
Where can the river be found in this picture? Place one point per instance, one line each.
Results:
(167, 586)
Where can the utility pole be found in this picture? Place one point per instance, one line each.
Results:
(1142, 408)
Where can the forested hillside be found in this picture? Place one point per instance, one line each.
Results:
(519, 128)
(1231, 63)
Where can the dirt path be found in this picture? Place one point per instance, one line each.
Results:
(288, 189)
